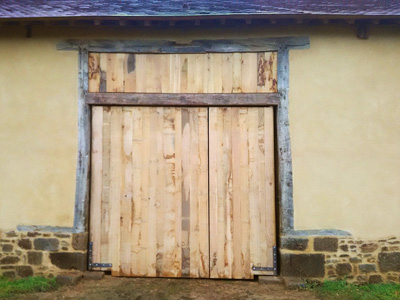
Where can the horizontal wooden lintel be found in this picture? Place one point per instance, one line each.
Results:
(147, 99)
(196, 46)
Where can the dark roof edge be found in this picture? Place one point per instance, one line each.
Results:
(198, 17)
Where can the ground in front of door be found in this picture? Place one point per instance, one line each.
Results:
(171, 289)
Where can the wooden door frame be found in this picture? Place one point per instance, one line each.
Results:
(280, 100)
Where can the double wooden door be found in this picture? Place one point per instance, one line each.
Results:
(183, 191)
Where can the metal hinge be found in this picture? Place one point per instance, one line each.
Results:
(271, 269)
(91, 263)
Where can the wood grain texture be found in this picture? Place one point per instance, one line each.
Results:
(150, 210)
(195, 46)
(242, 210)
(184, 73)
(83, 158)
(182, 99)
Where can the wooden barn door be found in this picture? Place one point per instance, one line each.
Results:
(149, 196)
(183, 192)
(242, 191)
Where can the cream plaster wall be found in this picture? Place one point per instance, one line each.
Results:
(344, 122)
(38, 140)
(345, 129)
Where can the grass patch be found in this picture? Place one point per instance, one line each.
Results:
(335, 290)
(10, 287)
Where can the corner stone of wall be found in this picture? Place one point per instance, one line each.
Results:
(332, 258)
(47, 254)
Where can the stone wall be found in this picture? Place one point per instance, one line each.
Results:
(331, 258)
(25, 254)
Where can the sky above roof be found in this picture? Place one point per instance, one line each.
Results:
(182, 8)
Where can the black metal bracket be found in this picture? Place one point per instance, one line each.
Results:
(270, 269)
(90, 260)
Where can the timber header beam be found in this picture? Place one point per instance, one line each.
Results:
(195, 46)
(136, 99)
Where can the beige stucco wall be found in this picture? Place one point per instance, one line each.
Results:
(38, 125)
(344, 125)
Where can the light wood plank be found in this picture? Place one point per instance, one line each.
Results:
(240, 200)
(249, 72)
(115, 189)
(106, 189)
(130, 73)
(151, 146)
(94, 72)
(97, 181)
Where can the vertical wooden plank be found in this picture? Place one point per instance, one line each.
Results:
(169, 229)
(236, 72)
(115, 188)
(236, 178)
(227, 71)
(266, 72)
(141, 73)
(126, 192)
(244, 191)
(254, 208)
(213, 182)
(208, 84)
(94, 72)
(184, 82)
(152, 146)
(249, 72)
(115, 72)
(216, 72)
(164, 69)
(262, 196)
(272, 59)
(270, 184)
(160, 195)
(191, 73)
(105, 199)
(83, 161)
(130, 73)
(145, 222)
(103, 73)
(137, 209)
(189, 215)
(177, 181)
(200, 136)
(153, 74)
(96, 181)
(175, 70)
(198, 73)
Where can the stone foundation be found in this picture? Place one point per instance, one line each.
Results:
(331, 258)
(46, 254)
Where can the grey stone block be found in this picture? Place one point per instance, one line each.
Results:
(389, 261)
(47, 244)
(9, 260)
(297, 244)
(24, 271)
(303, 265)
(343, 269)
(69, 260)
(69, 278)
(93, 275)
(367, 268)
(375, 279)
(326, 244)
(25, 244)
(35, 258)
(80, 241)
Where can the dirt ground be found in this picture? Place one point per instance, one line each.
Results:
(170, 289)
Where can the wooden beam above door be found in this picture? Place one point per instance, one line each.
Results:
(147, 99)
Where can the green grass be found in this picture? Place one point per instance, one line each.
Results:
(25, 285)
(335, 290)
